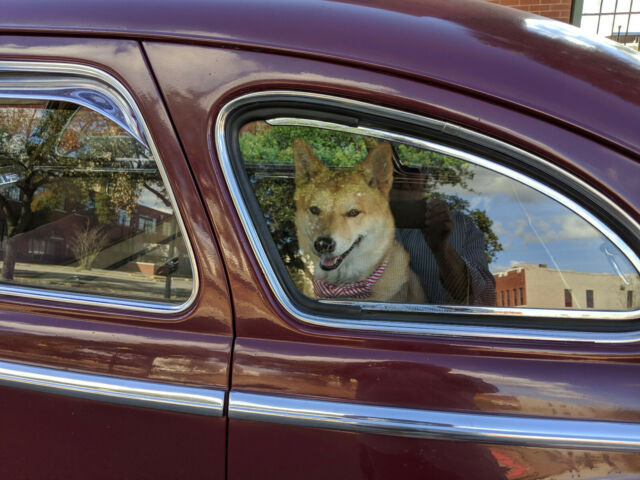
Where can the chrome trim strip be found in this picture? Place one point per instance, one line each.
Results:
(437, 425)
(159, 396)
(82, 91)
(421, 328)
(98, 90)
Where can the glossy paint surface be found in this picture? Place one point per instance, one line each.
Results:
(538, 64)
(102, 347)
(189, 348)
(275, 354)
(48, 436)
(365, 456)
(443, 376)
(515, 77)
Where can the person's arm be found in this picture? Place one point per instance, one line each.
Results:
(482, 284)
(452, 269)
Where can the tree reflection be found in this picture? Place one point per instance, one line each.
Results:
(70, 174)
(30, 167)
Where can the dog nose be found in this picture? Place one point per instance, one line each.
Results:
(324, 245)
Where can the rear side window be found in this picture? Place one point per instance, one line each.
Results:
(83, 207)
(377, 219)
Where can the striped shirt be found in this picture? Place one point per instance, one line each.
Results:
(468, 242)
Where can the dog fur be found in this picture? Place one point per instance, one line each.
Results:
(349, 209)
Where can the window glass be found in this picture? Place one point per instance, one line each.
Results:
(83, 207)
(358, 218)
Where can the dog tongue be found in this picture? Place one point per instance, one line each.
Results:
(328, 261)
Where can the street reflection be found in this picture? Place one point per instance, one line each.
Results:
(83, 207)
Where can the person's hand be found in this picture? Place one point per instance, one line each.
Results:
(453, 273)
(438, 225)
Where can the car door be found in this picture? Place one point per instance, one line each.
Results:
(115, 323)
(532, 380)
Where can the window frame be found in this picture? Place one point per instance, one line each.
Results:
(99, 91)
(375, 317)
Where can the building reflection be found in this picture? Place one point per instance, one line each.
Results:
(538, 286)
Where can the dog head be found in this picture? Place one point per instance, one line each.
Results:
(342, 215)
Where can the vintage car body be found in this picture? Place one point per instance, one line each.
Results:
(241, 383)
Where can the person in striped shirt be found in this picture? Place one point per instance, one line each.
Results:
(447, 250)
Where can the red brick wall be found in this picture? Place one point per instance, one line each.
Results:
(511, 281)
(556, 9)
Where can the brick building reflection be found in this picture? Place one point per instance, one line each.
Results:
(538, 286)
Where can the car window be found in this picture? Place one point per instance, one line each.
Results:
(83, 207)
(360, 218)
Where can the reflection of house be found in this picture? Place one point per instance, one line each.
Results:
(134, 242)
(64, 175)
(537, 286)
(143, 240)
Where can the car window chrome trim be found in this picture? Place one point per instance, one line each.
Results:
(99, 91)
(147, 394)
(81, 91)
(426, 328)
(437, 425)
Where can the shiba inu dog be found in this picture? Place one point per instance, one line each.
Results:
(345, 227)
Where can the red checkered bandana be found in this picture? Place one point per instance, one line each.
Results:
(353, 290)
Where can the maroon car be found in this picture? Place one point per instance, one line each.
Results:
(211, 214)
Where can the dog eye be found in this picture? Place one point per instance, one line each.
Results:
(353, 213)
(314, 210)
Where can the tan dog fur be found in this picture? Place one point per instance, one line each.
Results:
(336, 192)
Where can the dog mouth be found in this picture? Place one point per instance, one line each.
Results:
(331, 263)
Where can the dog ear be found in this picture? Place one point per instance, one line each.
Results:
(378, 168)
(306, 163)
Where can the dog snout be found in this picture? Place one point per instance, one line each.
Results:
(324, 245)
